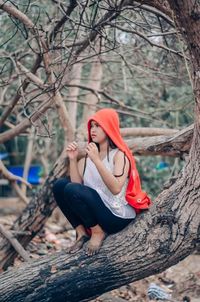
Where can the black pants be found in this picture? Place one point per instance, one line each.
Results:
(83, 205)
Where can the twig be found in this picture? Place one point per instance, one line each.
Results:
(11, 177)
(179, 53)
(20, 193)
(15, 243)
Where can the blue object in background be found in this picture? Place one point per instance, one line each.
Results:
(3, 155)
(162, 165)
(34, 174)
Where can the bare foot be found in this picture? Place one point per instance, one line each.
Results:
(78, 244)
(95, 243)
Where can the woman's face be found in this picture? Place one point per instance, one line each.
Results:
(97, 133)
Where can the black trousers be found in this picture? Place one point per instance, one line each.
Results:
(83, 205)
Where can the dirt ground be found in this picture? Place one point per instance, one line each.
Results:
(181, 281)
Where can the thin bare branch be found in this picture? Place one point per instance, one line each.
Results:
(11, 177)
(15, 243)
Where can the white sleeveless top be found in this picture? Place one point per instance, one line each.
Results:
(117, 204)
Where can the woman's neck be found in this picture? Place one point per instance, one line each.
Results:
(103, 147)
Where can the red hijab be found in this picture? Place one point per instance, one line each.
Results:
(109, 121)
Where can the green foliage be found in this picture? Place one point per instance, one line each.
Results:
(156, 171)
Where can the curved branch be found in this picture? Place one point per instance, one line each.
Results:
(160, 5)
(143, 36)
(27, 122)
(165, 14)
(13, 11)
(11, 177)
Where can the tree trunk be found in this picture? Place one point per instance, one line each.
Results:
(28, 157)
(159, 238)
(91, 99)
(73, 93)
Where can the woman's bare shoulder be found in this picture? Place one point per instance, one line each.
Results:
(119, 155)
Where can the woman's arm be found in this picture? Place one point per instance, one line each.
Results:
(75, 174)
(72, 152)
(112, 181)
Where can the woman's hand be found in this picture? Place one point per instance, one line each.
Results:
(92, 152)
(72, 150)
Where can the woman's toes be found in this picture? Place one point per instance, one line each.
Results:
(94, 246)
(77, 245)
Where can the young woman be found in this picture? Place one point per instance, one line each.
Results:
(103, 194)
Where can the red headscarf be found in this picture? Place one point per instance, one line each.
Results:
(109, 121)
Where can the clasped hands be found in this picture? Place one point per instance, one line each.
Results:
(91, 150)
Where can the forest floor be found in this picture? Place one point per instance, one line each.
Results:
(181, 282)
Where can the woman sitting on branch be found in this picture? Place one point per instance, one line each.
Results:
(104, 193)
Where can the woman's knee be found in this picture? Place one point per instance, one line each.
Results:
(72, 189)
(59, 185)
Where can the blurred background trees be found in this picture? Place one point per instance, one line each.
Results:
(87, 55)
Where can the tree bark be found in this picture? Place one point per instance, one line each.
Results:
(146, 131)
(177, 145)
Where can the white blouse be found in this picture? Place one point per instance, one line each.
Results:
(117, 204)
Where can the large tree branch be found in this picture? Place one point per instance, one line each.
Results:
(27, 122)
(157, 240)
(161, 5)
(13, 11)
(175, 145)
(164, 12)
(144, 131)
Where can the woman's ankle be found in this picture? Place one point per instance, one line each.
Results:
(97, 230)
(80, 232)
